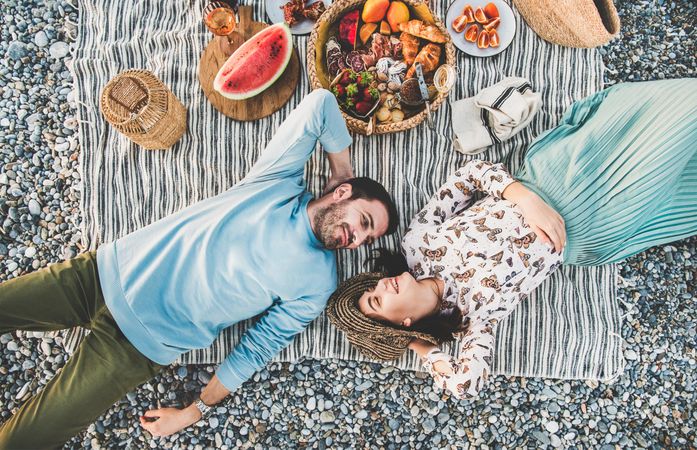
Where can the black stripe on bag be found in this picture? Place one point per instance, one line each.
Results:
(483, 116)
(503, 97)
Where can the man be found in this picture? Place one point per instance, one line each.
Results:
(263, 246)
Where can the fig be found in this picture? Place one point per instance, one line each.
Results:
(471, 33)
(483, 39)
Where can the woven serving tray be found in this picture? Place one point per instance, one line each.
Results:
(319, 76)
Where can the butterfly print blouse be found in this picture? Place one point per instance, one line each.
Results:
(488, 258)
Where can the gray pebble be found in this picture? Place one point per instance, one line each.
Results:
(59, 50)
(40, 39)
(17, 50)
(552, 426)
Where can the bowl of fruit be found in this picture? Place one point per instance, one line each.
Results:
(365, 50)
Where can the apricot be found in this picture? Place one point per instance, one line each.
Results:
(397, 13)
(385, 28)
(366, 31)
(374, 10)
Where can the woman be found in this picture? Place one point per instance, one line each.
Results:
(621, 169)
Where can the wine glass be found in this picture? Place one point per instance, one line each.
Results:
(219, 17)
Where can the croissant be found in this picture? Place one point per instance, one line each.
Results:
(410, 47)
(426, 31)
(428, 57)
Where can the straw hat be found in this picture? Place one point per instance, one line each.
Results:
(571, 23)
(374, 339)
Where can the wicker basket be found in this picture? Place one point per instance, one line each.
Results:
(141, 107)
(317, 65)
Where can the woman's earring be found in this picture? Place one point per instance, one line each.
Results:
(406, 322)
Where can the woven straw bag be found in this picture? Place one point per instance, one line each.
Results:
(571, 23)
(317, 66)
(140, 106)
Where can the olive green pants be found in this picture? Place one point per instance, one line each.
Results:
(103, 369)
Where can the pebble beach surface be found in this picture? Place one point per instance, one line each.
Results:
(344, 404)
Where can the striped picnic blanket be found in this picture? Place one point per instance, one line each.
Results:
(569, 328)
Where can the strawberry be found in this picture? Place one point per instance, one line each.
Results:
(351, 90)
(339, 91)
(363, 108)
(364, 78)
(369, 93)
(345, 78)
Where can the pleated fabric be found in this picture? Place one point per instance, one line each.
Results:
(621, 169)
(569, 327)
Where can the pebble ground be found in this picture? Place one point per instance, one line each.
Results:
(343, 404)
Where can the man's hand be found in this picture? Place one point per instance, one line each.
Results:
(547, 224)
(169, 420)
(334, 181)
(340, 168)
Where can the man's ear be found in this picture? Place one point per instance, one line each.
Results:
(406, 322)
(342, 192)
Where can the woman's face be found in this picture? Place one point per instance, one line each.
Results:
(398, 300)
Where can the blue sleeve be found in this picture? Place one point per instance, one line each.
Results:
(269, 335)
(316, 118)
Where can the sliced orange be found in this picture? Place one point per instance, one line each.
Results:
(471, 33)
(483, 39)
(459, 24)
(479, 16)
(469, 13)
(494, 40)
(493, 24)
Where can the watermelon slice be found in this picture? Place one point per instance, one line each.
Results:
(255, 66)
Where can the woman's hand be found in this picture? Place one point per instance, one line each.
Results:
(547, 224)
(443, 368)
(423, 348)
(169, 420)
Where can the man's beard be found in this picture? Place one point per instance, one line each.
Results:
(327, 220)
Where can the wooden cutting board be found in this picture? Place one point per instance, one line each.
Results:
(261, 105)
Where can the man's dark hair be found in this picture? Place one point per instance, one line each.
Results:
(363, 187)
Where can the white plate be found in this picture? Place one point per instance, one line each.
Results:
(506, 29)
(275, 13)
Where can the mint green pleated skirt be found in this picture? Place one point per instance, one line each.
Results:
(621, 169)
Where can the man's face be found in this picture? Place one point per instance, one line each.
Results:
(349, 223)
